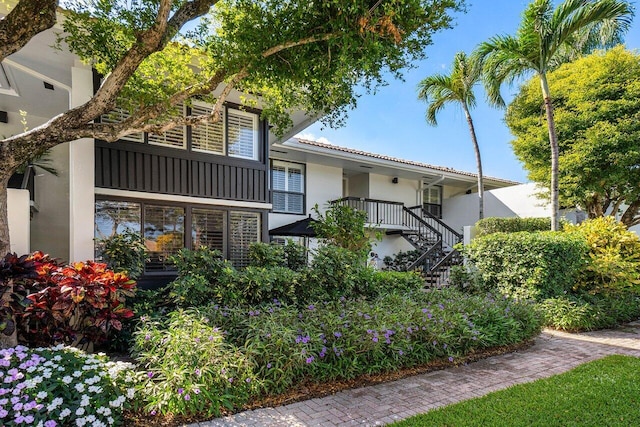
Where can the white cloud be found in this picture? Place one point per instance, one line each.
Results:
(311, 137)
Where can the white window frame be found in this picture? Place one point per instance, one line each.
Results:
(223, 122)
(288, 165)
(256, 139)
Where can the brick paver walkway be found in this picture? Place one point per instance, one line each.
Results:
(553, 352)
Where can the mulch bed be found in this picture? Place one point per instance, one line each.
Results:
(311, 390)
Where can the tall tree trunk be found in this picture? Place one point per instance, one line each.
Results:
(630, 215)
(553, 142)
(5, 298)
(476, 148)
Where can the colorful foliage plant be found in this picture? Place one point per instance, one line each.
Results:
(77, 304)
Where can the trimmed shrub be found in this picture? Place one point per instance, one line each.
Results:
(529, 265)
(613, 259)
(492, 225)
(296, 256)
(372, 284)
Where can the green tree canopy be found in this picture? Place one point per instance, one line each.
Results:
(597, 113)
(285, 55)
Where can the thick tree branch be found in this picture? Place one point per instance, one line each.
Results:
(28, 18)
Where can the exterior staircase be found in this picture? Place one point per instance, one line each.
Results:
(433, 239)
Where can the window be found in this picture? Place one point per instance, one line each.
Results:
(118, 115)
(174, 138)
(432, 200)
(242, 134)
(114, 218)
(163, 235)
(287, 183)
(207, 137)
(207, 229)
(167, 229)
(244, 229)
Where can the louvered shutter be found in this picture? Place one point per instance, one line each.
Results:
(172, 138)
(294, 187)
(207, 229)
(208, 137)
(119, 115)
(244, 229)
(278, 179)
(242, 134)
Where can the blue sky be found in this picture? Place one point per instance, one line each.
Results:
(392, 121)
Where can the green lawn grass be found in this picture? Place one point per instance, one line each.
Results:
(605, 392)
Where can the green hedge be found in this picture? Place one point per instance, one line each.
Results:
(511, 225)
(528, 265)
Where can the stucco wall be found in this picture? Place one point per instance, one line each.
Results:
(382, 188)
(358, 186)
(18, 211)
(517, 200)
(323, 184)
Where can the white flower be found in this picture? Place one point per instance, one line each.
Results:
(110, 421)
(77, 374)
(67, 379)
(80, 422)
(80, 412)
(65, 413)
(95, 389)
(57, 358)
(54, 404)
(85, 400)
(79, 387)
(41, 395)
(131, 392)
(91, 418)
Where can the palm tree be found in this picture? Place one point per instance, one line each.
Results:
(439, 90)
(545, 38)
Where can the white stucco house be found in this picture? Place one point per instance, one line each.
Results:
(224, 185)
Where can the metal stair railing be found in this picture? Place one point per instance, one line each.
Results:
(449, 235)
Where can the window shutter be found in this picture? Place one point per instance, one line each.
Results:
(119, 115)
(207, 229)
(244, 230)
(242, 131)
(172, 138)
(207, 137)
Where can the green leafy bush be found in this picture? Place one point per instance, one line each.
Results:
(296, 256)
(589, 312)
(266, 255)
(492, 225)
(401, 260)
(372, 283)
(343, 226)
(258, 285)
(204, 276)
(191, 369)
(63, 386)
(335, 272)
(467, 279)
(528, 265)
(614, 256)
(124, 253)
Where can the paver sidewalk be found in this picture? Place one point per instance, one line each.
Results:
(553, 352)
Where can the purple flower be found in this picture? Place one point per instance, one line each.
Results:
(147, 337)
(196, 391)
(231, 380)
(310, 359)
(3, 413)
(337, 334)
(400, 352)
(374, 339)
(153, 412)
(187, 397)
(150, 374)
(429, 315)
(268, 365)
(424, 310)
(311, 307)
(180, 390)
(450, 359)
(50, 423)
(197, 372)
(248, 380)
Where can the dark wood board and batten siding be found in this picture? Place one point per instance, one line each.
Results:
(154, 169)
